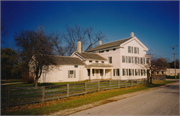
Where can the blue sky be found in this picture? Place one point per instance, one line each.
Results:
(155, 24)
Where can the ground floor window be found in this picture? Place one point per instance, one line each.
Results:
(134, 72)
(116, 72)
(71, 74)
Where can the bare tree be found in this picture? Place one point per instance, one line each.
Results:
(33, 47)
(86, 36)
(57, 42)
(154, 65)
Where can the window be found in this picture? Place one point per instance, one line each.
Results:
(114, 49)
(132, 59)
(136, 50)
(140, 60)
(102, 61)
(130, 49)
(142, 72)
(135, 72)
(116, 72)
(101, 72)
(127, 72)
(123, 71)
(132, 72)
(75, 66)
(101, 51)
(110, 59)
(123, 59)
(71, 74)
(93, 71)
(136, 60)
(107, 50)
(90, 61)
(96, 61)
(129, 59)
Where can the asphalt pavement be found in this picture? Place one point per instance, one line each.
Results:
(163, 101)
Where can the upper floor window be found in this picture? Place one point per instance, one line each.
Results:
(90, 61)
(130, 49)
(101, 51)
(102, 61)
(107, 50)
(96, 61)
(110, 59)
(114, 49)
(136, 50)
(123, 59)
(75, 66)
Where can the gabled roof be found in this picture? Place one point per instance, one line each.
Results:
(87, 55)
(62, 60)
(109, 45)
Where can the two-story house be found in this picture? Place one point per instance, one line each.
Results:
(122, 59)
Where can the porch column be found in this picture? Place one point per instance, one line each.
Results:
(90, 73)
(104, 73)
(111, 74)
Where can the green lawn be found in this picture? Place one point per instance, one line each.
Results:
(83, 100)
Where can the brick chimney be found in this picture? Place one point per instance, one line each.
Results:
(100, 42)
(132, 34)
(79, 46)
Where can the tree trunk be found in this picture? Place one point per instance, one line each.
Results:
(151, 80)
(36, 82)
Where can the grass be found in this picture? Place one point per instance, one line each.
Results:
(76, 101)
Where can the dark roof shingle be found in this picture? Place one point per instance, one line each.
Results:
(94, 56)
(109, 45)
(63, 60)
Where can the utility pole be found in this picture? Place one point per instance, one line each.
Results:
(174, 59)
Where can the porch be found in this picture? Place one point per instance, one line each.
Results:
(99, 71)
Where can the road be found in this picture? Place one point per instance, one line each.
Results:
(163, 101)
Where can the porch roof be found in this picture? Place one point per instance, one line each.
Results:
(98, 65)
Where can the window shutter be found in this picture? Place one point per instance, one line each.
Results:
(114, 72)
(68, 73)
(138, 50)
(118, 71)
(128, 49)
(93, 71)
(74, 73)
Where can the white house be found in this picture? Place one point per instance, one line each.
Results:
(122, 59)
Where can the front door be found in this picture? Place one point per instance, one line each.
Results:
(97, 74)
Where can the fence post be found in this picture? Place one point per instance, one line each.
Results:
(43, 93)
(125, 83)
(98, 85)
(7, 96)
(67, 90)
(85, 87)
(109, 84)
